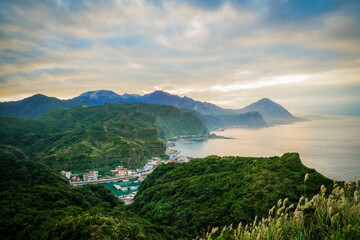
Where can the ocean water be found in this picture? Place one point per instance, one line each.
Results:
(331, 144)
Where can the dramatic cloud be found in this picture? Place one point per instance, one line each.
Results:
(304, 54)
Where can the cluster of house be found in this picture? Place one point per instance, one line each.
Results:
(120, 171)
(178, 159)
(174, 154)
(91, 176)
(70, 176)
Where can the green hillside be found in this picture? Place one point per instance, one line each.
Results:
(87, 137)
(328, 215)
(38, 203)
(215, 191)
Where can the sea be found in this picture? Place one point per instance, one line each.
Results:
(329, 144)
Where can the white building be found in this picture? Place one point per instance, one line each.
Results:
(131, 172)
(93, 175)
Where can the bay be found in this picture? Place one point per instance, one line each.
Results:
(331, 144)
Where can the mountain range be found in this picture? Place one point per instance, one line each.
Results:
(88, 137)
(261, 113)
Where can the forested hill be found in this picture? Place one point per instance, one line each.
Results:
(217, 191)
(88, 137)
(38, 203)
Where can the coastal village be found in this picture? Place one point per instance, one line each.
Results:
(122, 181)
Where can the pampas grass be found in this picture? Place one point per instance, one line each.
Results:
(335, 215)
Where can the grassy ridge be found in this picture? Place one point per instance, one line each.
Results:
(325, 216)
(86, 137)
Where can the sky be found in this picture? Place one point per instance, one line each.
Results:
(302, 54)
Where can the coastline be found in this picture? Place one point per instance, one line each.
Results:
(211, 136)
(176, 153)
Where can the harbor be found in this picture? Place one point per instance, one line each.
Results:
(124, 183)
(125, 191)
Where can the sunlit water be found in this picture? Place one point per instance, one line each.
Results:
(330, 145)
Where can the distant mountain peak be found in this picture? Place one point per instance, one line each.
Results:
(38, 95)
(160, 93)
(98, 93)
(271, 110)
(39, 104)
(39, 98)
(265, 100)
(127, 95)
(98, 97)
(268, 101)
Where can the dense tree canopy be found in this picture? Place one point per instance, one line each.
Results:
(38, 203)
(88, 137)
(217, 191)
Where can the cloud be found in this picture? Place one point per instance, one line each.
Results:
(200, 48)
(180, 91)
(260, 84)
